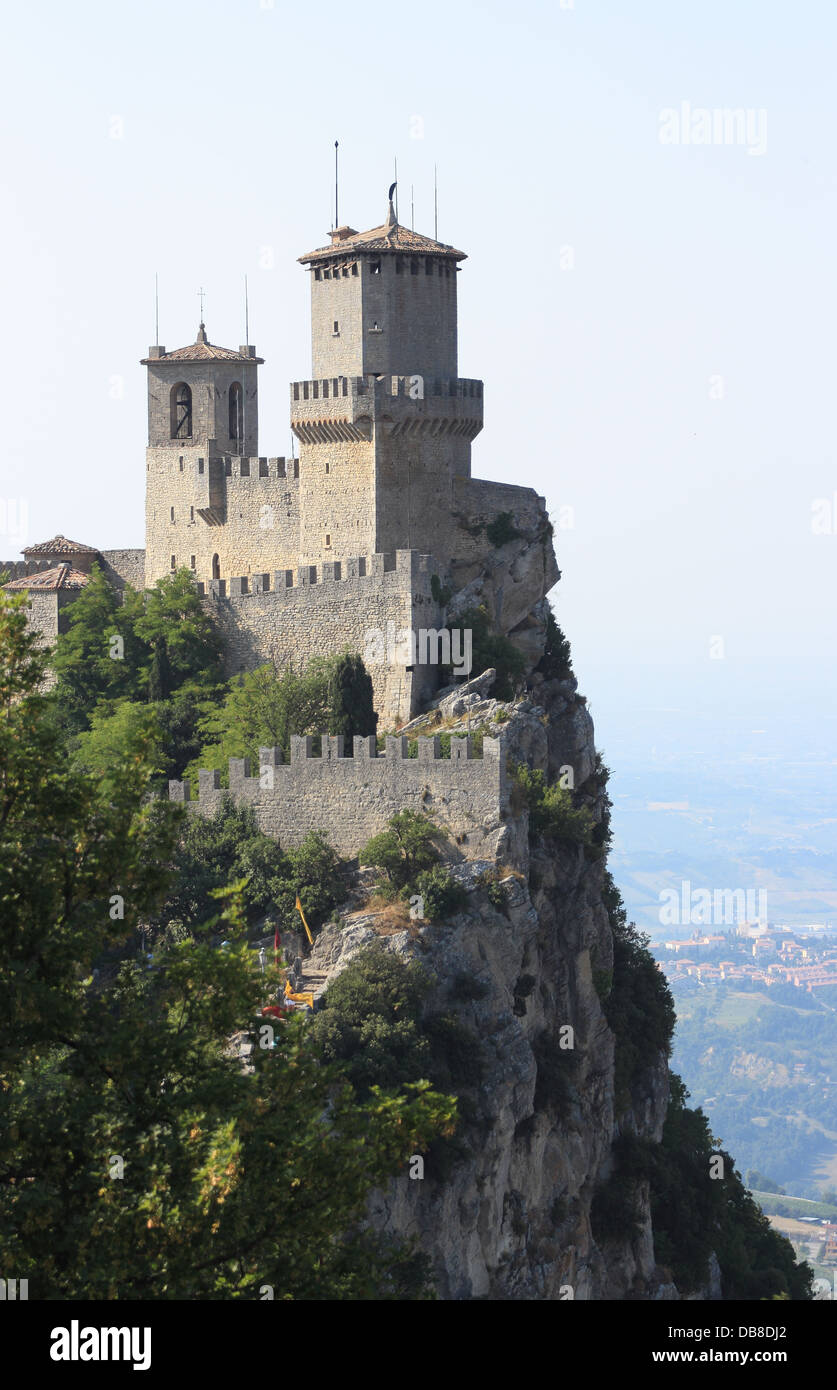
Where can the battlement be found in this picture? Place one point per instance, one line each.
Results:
(19, 569)
(406, 564)
(235, 466)
(350, 799)
(330, 409)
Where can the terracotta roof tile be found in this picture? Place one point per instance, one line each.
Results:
(59, 545)
(201, 350)
(391, 236)
(62, 577)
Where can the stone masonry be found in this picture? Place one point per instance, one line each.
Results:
(351, 799)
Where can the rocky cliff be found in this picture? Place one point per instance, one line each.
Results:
(525, 969)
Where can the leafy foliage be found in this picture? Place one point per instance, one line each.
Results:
(694, 1214)
(556, 662)
(551, 810)
(228, 848)
(502, 529)
(491, 649)
(639, 1007)
(230, 1180)
(443, 895)
(404, 848)
(263, 708)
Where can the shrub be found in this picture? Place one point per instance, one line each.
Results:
(502, 529)
(404, 848)
(443, 895)
(556, 662)
(551, 810)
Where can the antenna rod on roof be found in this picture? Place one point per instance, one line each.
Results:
(435, 205)
(412, 210)
(396, 190)
(336, 189)
(246, 313)
(156, 310)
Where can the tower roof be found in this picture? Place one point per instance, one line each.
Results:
(202, 350)
(61, 577)
(59, 545)
(390, 236)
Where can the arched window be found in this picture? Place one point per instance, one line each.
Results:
(216, 567)
(181, 411)
(236, 413)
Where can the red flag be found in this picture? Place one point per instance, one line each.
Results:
(277, 941)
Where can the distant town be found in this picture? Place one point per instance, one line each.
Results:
(805, 958)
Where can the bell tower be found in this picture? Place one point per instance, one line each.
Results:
(203, 405)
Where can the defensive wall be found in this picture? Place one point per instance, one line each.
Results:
(350, 799)
(293, 614)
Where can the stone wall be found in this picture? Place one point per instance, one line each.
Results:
(328, 608)
(351, 799)
(123, 567)
(244, 510)
(394, 313)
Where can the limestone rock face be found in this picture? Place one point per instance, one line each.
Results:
(511, 1218)
(511, 584)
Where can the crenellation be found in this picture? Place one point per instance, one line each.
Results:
(351, 798)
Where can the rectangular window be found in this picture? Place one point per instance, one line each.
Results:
(414, 267)
(398, 265)
(192, 561)
(200, 465)
(428, 266)
(191, 513)
(336, 329)
(318, 275)
(328, 540)
(181, 463)
(328, 467)
(171, 513)
(376, 267)
(174, 562)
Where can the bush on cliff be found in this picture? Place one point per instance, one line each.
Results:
(489, 648)
(556, 662)
(407, 846)
(551, 810)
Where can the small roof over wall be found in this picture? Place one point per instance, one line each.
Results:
(49, 581)
(202, 350)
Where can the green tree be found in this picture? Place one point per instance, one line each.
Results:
(183, 645)
(405, 847)
(350, 697)
(138, 1158)
(89, 664)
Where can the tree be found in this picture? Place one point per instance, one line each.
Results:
(183, 645)
(89, 664)
(265, 707)
(406, 846)
(138, 1158)
(350, 697)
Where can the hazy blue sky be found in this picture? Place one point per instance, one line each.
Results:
(669, 377)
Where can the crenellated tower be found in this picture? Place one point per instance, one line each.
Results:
(385, 424)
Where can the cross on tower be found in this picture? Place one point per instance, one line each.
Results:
(202, 294)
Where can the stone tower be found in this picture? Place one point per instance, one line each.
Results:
(385, 425)
(202, 405)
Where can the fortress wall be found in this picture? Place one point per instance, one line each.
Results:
(336, 484)
(245, 510)
(477, 501)
(351, 799)
(271, 621)
(123, 567)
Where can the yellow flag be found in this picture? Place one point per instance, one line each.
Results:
(304, 923)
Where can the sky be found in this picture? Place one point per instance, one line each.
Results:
(651, 309)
